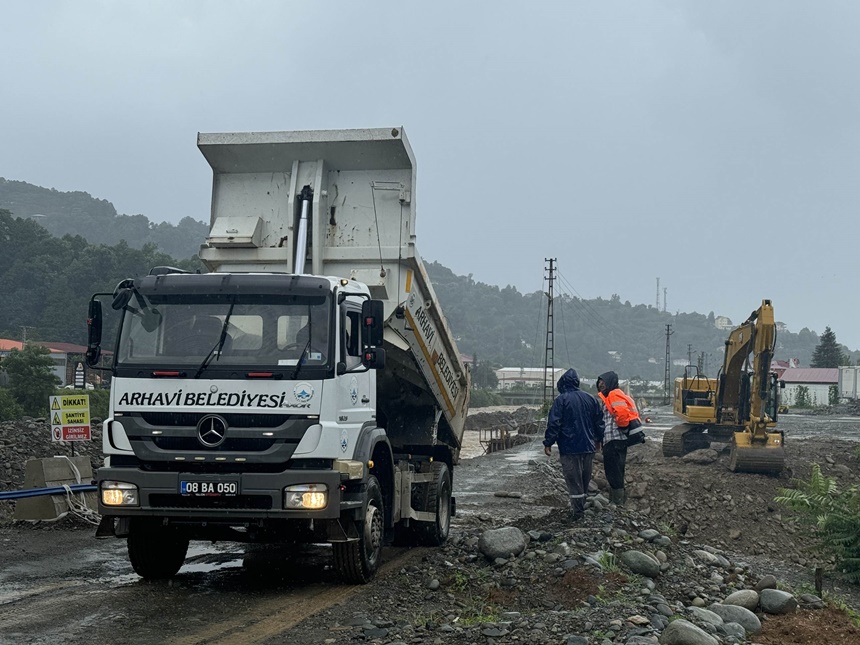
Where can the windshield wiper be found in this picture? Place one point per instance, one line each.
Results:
(302, 360)
(219, 345)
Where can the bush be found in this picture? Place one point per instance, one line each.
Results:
(834, 516)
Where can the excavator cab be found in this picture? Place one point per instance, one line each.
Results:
(695, 396)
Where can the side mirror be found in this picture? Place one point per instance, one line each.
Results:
(151, 319)
(782, 384)
(94, 333)
(122, 298)
(372, 320)
(373, 358)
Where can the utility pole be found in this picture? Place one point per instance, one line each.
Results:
(689, 354)
(549, 361)
(24, 329)
(669, 332)
(658, 294)
(664, 299)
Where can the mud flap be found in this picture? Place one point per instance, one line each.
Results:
(106, 527)
(338, 533)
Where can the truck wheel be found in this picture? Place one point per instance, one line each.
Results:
(156, 552)
(357, 561)
(435, 498)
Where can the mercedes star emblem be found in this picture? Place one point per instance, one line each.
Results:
(211, 430)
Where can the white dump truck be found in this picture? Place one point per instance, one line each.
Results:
(307, 389)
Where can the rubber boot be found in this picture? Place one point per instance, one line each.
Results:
(616, 496)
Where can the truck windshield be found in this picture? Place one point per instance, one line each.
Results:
(268, 331)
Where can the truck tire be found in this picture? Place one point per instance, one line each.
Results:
(435, 497)
(156, 552)
(356, 562)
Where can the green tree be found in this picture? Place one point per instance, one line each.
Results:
(833, 395)
(31, 380)
(827, 353)
(9, 408)
(802, 398)
(484, 376)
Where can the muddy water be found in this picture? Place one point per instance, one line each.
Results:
(795, 426)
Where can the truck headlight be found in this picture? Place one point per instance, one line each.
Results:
(308, 496)
(119, 494)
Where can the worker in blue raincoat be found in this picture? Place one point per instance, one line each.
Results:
(575, 423)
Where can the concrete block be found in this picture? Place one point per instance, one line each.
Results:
(49, 472)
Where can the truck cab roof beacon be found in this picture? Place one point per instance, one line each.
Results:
(307, 387)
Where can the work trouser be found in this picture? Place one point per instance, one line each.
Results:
(614, 462)
(577, 473)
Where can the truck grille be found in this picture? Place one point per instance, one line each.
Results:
(251, 444)
(186, 419)
(252, 502)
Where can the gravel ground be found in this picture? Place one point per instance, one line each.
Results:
(709, 531)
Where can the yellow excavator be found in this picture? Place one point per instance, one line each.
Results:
(740, 405)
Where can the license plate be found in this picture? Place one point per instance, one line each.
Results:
(209, 488)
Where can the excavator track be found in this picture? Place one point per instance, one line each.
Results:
(757, 459)
(683, 438)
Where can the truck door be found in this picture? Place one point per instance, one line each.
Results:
(356, 387)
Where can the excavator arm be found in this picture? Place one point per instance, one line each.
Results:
(744, 393)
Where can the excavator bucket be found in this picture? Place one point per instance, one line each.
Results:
(753, 455)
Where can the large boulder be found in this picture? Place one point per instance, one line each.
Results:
(641, 563)
(736, 614)
(746, 598)
(505, 542)
(683, 632)
(776, 601)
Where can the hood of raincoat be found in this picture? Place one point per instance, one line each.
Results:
(569, 381)
(610, 379)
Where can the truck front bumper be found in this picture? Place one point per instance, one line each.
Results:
(256, 495)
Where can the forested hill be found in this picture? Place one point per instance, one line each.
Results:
(507, 328)
(46, 282)
(97, 221)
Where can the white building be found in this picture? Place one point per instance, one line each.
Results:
(527, 377)
(723, 322)
(816, 380)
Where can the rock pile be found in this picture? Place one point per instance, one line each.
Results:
(611, 579)
(30, 438)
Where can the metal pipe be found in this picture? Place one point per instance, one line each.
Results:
(53, 490)
(302, 238)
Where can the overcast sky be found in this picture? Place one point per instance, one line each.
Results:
(713, 145)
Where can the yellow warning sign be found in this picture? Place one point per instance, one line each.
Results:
(76, 417)
(80, 401)
(70, 419)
